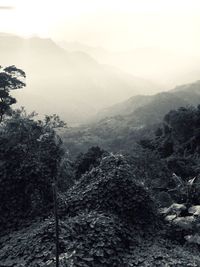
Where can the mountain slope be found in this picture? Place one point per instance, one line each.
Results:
(72, 84)
(165, 66)
(131, 120)
(142, 107)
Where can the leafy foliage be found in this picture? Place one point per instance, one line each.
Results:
(149, 168)
(177, 144)
(30, 153)
(95, 239)
(186, 191)
(11, 78)
(111, 187)
(98, 216)
(180, 133)
(66, 174)
(107, 214)
(85, 162)
(91, 239)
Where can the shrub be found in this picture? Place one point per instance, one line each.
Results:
(85, 161)
(111, 187)
(30, 153)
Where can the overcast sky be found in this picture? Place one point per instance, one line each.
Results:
(113, 24)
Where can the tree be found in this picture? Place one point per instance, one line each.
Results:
(30, 155)
(85, 161)
(11, 78)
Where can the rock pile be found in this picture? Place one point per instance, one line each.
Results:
(184, 222)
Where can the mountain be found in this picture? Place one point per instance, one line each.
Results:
(124, 108)
(72, 84)
(98, 53)
(120, 126)
(164, 66)
(156, 106)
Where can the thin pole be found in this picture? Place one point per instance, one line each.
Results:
(56, 221)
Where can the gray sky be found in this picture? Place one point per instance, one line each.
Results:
(113, 24)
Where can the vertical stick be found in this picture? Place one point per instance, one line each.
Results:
(56, 221)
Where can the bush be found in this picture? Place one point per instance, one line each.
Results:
(85, 161)
(111, 188)
(88, 239)
(96, 239)
(30, 153)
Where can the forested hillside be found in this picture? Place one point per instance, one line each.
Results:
(136, 208)
(119, 127)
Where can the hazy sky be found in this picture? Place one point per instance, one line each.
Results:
(113, 24)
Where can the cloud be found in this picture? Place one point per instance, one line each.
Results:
(6, 7)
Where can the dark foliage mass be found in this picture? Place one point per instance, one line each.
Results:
(91, 239)
(177, 144)
(11, 78)
(92, 235)
(86, 161)
(100, 240)
(99, 215)
(87, 239)
(30, 153)
(111, 187)
(179, 134)
(114, 210)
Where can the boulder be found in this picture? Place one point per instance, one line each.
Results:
(195, 210)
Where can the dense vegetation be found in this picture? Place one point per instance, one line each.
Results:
(141, 208)
(30, 154)
(11, 78)
(120, 127)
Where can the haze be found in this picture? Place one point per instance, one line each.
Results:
(156, 41)
(113, 24)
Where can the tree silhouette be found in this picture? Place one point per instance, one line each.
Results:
(11, 78)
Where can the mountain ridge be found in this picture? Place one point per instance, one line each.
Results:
(74, 83)
(122, 127)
